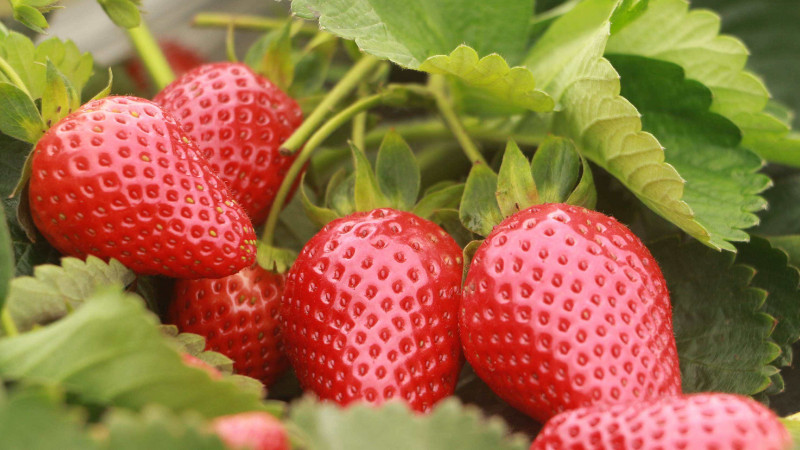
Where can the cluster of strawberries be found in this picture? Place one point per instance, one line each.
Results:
(564, 313)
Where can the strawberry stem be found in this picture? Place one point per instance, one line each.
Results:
(360, 121)
(150, 52)
(437, 87)
(248, 22)
(351, 79)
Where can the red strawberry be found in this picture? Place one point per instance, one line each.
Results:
(707, 421)
(370, 310)
(119, 179)
(564, 307)
(251, 431)
(180, 58)
(238, 317)
(239, 120)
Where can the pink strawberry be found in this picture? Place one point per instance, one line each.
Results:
(370, 310)
(237, 315)
(251, 431)
(701, 421)
(564, 307)
(239, 120)
(118, 178)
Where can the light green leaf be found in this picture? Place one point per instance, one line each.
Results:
(367, 192)
(19, 117)
(276, 259)
(723, 337)
(394, 30)
(479, 210)
(156, 428)
(445, 198)
(605, 127)
(515, 187)
(397, 172)
(450, 425)
(627, 12)
(491, 77)
(19, 52)
(59, 98)
(6, 259)
(68, 59)
(124, 13)
(110, 352)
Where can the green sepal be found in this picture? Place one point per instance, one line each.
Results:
(556, 167)
(106, 90)
(319, 215)
(276, 259)
(515, 187)
(368, 195)
(445, 198)
(340, 193)
(30, 17)
(124, 13)
(584, 194)
(469, 253)
(479, 211)
(448, 219)
(59, 98)
(398, 172)
(19, 117)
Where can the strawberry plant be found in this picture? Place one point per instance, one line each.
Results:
(518, 224)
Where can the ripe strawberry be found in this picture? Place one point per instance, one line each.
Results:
(564, 307)
(180, 58)
(119, 179)
(370, 310)
(238, 317)
(708, 421)
(239, 120)
(251, 431)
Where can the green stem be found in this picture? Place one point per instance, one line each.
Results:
(247, 22)
(313, 142)
(8, 323)
(360, 121)
(343, 88)
(437, 86)
(230, 44)
(13, 76)
(149, 51)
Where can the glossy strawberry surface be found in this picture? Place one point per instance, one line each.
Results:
(118, 178)
(564, 307)
(239, 120)
(370, 310)
(251, 431)
(700, 421)
(237, 315)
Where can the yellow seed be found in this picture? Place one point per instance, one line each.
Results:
(145, 158)
(200, 187)
(159, 226)
(219, 210)
(189, 199)
(185, 139)
(212, 233)
(134, 114)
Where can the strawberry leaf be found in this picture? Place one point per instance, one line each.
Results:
(397, 172)
(703, 146)
(6, 259)
(30, 17)
(450, 425)
(124, 13)
(19, 117)
(59, 98)
(156, 428)
(277, 64)
(515, 187)
(110, 352)
(479, 211)
(723, 336)
(783, 215)
(439, 200)
(77, 67)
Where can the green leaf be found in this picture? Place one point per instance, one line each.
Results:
(59, 98)
(19, 117)
(6, 259)
(515, 187)
(276, 259)
(722, 185)
(396, 31)
(76, 66)
(556, 167)
(319, 215)
(124, 13)
(479, 210)
(723, 337)
(783, 215)
(110, 352)
(491, 78)
(606, 128)
(34, 418)
(31, 18)
(156, 428)
(627, 12)
(775, 276)
(341, 192)
(450, 425)
(278, 66)
(367, 192)
(446, 198)
(584, 194)
(106, 90)
(26, 253)
(397, 172)
(311, 70)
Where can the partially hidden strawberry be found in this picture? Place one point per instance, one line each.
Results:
(181, 59)
(237, 315)
(239, 120)
(251, 431)
(702, 421)
(118, 178)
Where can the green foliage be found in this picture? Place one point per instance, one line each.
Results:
(450, 425)
(59, 98)
(515, 187)
(19, 117)
(397, 172)
(562, 175)
(124, 13)
(29, 13)
(157, 428)
(6, 259)
(271, 56)
(479, 211)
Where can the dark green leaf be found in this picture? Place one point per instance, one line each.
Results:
(556, 166)
(319, 215)
(479, 211)
(110, 352)
(312, 68)
(448, 219)
(783, 214)
(156, 428)
(26, 253)
(627, 12)
(367, 192)
(6, 259)
(515, 187)
(723, 337)
(19, 117)
(397, 172)
(450, 425)
(445, 198)
(790, 244)
(59, 98)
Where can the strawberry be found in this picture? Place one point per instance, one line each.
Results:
(708, 421)
(251, 431)
(564, 307)
(237, 315)
(118, 178)
(180, 58)
(370, 310)
(239, 120)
